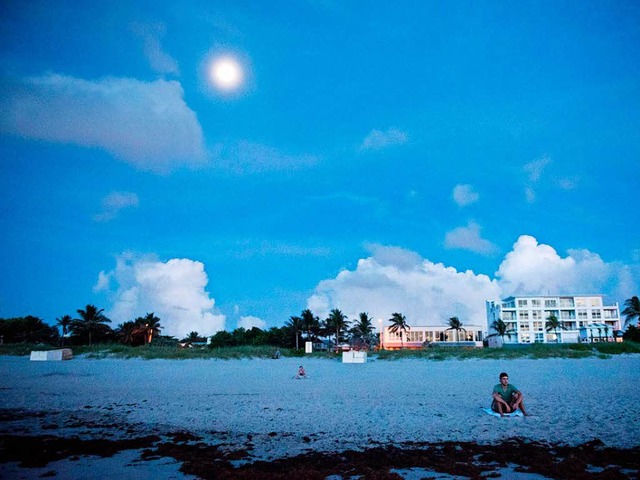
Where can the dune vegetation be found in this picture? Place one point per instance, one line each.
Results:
(535, 351)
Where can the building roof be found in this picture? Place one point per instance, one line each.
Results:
(513, 297)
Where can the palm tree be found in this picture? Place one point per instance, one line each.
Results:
(364, 327)
(554, 324)
(399, 324)
(64, 323)
(631, 310)
(126, 331)
(195, 337)
(295, 324)
(150, 326)
(456, 324)
(91, 319)
(501, 329)
(310, 324)
(336, 322)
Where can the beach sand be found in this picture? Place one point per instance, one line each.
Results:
(251, 419)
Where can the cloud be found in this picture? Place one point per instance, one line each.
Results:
(465, 195)
(393, 279)
(173, 290)
(468, 238)
(530, 194)
(250, 158)
(534, 170)
(113, 203)
(398, 280)
(531, 268)
(159, 60)
(265, 248)
(146, 124)
(104, 280)
(249, 322)
(378, 139)
(568, 183)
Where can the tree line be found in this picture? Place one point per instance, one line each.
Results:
(90, 325)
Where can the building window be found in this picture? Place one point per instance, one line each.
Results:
(414, 336)
(522, 303)
(536, 314)
(566, 302)
(396, 335)
(536, 303)
(596, 314)
(524, 315)
(508, 316)
(525, 338)
(538, 326)
(595, 302)
(539, 338)
(610, 314)
(550, 303)
(567, 314)
(582, 314)
(524, 327)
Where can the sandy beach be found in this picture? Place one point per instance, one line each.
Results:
(237, 413)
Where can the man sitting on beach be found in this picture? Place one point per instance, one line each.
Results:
(301, 373)
(506, 397)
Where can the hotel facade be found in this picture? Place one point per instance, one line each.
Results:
(584, 318)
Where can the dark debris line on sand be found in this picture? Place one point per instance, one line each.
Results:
(207, 460)
(464, 459)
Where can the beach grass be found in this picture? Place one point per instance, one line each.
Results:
(438, 353)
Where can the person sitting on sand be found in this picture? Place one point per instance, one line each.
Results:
(301, 373)
(506, 397)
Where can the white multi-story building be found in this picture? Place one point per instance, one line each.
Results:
(526, 318)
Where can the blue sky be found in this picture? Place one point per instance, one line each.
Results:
(376, 158)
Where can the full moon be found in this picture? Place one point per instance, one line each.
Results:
(226, 73)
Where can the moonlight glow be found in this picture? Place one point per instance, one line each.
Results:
(226, 73)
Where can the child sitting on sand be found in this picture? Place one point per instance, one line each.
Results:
(301, 373)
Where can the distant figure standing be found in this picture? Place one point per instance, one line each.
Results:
(506, 397)
(301, 373)
(276, 355)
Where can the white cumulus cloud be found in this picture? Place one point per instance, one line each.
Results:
(469, 238)
(393, 279)
(464, 195)
(537, 269)
(113, 203)
(173, 290)
(249, 322)
(379, 139)
(397, 280)
(146, 124)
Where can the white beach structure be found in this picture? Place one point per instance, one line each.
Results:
(526, 318)
(354, 356)
(51, 355)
